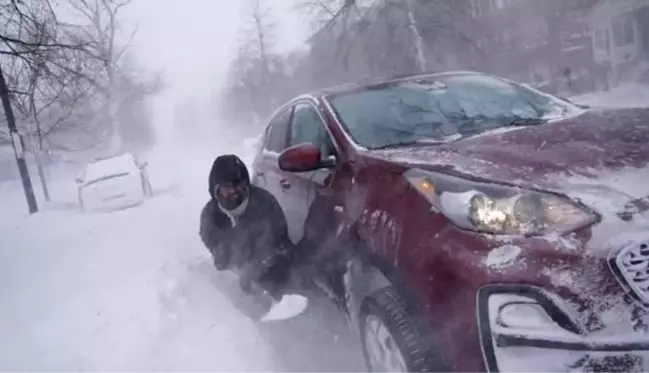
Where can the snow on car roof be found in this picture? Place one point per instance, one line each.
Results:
(110, 166)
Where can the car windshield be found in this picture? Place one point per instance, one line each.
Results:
(440, 109)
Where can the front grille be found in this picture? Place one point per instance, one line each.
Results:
(631, 267)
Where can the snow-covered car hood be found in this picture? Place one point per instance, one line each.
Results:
(600, 157)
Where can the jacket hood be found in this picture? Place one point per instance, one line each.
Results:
(227, 169)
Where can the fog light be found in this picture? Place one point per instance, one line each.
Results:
(524, 315)
(514, 328)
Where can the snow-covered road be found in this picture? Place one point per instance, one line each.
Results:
(122, 291)
(133, 290)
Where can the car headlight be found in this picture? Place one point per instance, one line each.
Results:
(499, 209)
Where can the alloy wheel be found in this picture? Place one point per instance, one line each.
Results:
(382, 350)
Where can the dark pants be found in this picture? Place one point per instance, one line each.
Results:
(275, 279)
(253, 302)
(292, 273)
(272, 279)
(256, 294)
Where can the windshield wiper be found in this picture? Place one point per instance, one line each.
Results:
(518, 121)
(400, 144)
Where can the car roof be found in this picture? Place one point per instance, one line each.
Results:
(372, 82)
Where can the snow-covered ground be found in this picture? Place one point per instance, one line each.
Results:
(629, 95)
(131, 290)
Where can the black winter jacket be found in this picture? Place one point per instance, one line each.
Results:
(257, 246)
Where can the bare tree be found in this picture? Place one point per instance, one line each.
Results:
(384, 37)
(66, 81)
(101, 31)
(325, 13)
(30, 27)
(257, 72)
(31, 39)
(261, 26)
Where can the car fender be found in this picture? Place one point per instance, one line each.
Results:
(360, 281)
(365, 274)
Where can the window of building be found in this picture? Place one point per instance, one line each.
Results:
(601, 39)
(534, 33)
(477, 8)
(623, 30)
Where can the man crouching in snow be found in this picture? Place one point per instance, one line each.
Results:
(245, 230)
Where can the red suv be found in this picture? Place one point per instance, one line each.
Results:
(476, 223)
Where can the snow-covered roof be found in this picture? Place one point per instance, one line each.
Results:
(110, 166)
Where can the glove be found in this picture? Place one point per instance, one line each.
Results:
(252, 301)
(221, 258)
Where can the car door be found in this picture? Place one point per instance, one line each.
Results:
(316, 208)
(265, 171)
(301, 189)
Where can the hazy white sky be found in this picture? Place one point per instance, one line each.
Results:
(193, 40)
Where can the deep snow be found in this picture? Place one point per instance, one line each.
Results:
(127, 290)
(134, 289)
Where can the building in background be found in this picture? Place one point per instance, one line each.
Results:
(621, 39)
(565, 47)
(544, 43)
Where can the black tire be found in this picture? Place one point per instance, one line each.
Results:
(414, 339)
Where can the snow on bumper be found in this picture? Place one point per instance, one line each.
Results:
(524, 328)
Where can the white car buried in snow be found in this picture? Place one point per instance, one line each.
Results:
(113, 183)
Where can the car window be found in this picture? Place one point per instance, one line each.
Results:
(277, 132)
(306, 126)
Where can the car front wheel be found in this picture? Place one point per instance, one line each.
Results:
(391, 339)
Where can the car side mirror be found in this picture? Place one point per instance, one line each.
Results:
(303, 158)
(79, 180)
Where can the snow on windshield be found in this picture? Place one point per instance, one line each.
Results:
(110, 166)
(439, 108)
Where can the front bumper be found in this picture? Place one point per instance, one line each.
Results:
(524, 328)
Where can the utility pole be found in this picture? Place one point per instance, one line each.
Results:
(18, 144)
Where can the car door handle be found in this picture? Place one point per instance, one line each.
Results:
(285, 184)
(261, 173)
